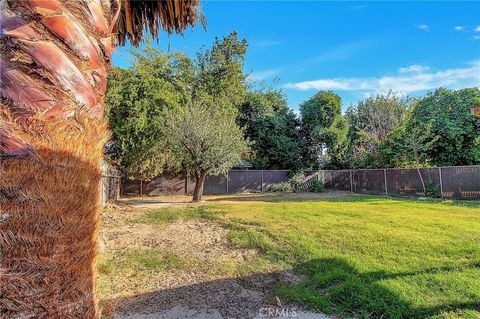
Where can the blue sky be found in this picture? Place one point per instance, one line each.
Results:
(355, 49)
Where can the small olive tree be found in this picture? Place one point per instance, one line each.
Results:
(204, 139)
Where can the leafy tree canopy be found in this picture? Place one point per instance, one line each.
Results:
(157, 82)
(259, 104)
(370, 122)
(276, 141)
(137, 98)
(273, 129)
(324, 130)
(220, 70)
(204, 139)
(443, 128)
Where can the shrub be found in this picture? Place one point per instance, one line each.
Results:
(432, 190)
(316, 187)
(297, 180)
(281, 187)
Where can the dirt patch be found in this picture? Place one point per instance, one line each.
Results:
(197, 238)
(155, 202)
(209, 287)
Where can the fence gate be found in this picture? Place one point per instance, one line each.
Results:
(110, 183)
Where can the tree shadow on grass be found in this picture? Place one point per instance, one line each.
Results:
(329, 285)
(333, 285)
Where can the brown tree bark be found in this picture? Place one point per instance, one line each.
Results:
(199, 183)
(54, 60)
(417, 164)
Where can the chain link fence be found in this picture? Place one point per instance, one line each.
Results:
(459, 182)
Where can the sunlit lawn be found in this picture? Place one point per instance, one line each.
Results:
(361, 256)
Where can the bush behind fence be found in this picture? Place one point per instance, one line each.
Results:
(460, 182)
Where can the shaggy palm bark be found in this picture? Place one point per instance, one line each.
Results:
(54, 62)
(53, 66)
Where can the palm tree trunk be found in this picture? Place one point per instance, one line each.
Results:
(53, 69)
(48, 226)
(54, 60)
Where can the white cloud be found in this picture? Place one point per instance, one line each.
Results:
(477, 29)
(402, 83)
(263, 75)
(423, 27)
(414, 68)
(459, 28)
(476, 37)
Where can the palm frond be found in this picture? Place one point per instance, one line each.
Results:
(11, 145)
(137, 16)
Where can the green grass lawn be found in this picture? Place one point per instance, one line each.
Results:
(361, 256)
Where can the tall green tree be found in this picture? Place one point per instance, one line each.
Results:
(204, 139)
(139, 97)
(324, 130)
(136, 103)
(272, 128)
(220, 70)
(441, 128)
(276, 141)
(370, 122)
(259, 104)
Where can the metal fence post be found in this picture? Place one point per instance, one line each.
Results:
(227, 182)
(261, 189)
(385, 176)
(141, 188)
(441, 181)
(351, 181)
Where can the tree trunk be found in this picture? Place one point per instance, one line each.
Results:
(53, 69)
(417, 161)
(199, 182)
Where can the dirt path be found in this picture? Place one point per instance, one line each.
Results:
(203, 288)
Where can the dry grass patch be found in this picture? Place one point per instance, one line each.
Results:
(152, 250)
